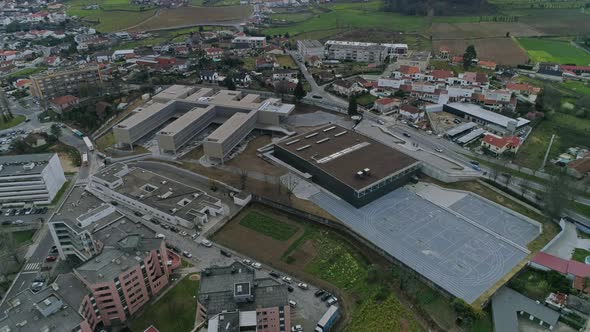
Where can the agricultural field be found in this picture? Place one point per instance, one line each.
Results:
(268, 226)
(504, 51)
(551, 50)
(415, 41)
(480, 30)
(555, 22)
(185, 17)
(570, 131)
(113, 15)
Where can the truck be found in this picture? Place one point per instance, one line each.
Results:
(328, 319)
(85, 159)
(88, 143)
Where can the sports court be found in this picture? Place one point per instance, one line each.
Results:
(459, 255)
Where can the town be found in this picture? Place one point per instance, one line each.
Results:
(276, 166)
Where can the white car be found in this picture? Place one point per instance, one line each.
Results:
(286, 279)
(183, 233)
(247, 261)
(292, 303)
(302, 285)
(207, 243)
(256, 265)
(187, 254)
(296, 328)
(439, 150)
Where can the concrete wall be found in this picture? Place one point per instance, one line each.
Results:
(54, 177)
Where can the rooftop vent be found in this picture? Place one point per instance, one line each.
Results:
(322, 140)
(311, 135)
(340, 134)
(303, 147)
(360, 174)
(367, 171)
(292, 142)
(328, 129)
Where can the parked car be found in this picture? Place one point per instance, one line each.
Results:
(53, 250)
(225, 253)
(326, 296)
(256, 265)
(286, 279)
(292, 303)
(37, 286)
(246, 261)
(319, 293)
(274, 274)
(302, 285)
(331, 301)
(290, 288)
(183, 233)
(439, 150)
(50, 258)
(407, 135)
(18, 222)
(187, 254)
(207, 243)
(164, 226)
(297, 328)
(195, 235)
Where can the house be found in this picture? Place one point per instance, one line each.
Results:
(240, 49)
(52, 61)
(242, 79)
(284, 86)
(384, 105)
(314, 61)
(457, 60)
(208, 76)
(63, 103)
(409, 70)
(22, 83)
(498, 145)
(265, 62)
(121, 54)
(444, 53)
(213, 52)
(346, 88)
(8, 55)
(573, 270)
(523, 88)
(441, 75)
(102, 56)
(551, 66)
(491, 65)
(181, 51)
(578, 70)
(284, 74)
(579, 168)
(411, 113)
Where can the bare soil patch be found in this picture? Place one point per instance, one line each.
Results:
(504, 51)
(481, 30)
(66, 163)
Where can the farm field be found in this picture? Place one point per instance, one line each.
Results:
(267, 226)
(113, 15)
(415, 41)
(503, 51)
(480, 30)
(556, 22)
(570, 131)
(183, 17)
(368, 285)
(550, 50)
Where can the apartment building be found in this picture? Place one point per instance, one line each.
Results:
(155, 196)
(253, 42)
(34, 178)
(308, 48)
(232, 293)
(64, 82)
(355, 51)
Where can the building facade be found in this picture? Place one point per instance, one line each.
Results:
(35, 178)
(355, 51)
(308, 48)
(65, 82)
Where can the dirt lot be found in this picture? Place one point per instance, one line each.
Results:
(66, 163)
(504, 51)
(443, 121)
(480, 30)
(187, 16)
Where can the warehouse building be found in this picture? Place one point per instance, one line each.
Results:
(354, 167)
(32, 178)
(194, 109)
(492, 121)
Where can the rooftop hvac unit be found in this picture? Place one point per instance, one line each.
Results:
(367, 171)
(359, 174)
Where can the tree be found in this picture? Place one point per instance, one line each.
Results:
(290, 184)
(10, 246)
(55, 130)
(557, 195)
(352, 107)
(299, 91)
(228, 82)
(469, 55)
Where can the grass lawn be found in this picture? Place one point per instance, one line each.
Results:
(570, 130)
(580, 255)
(113, 15)
(351, 16)
(105, 141)
(185, 263)
(60, 193)
(579, 87)
(23, 236)
(549, 50)
(175, 311)
(366, 99)
(268, 226)
(18, 119)
(25, 73)
(580, 208)
(286, 61)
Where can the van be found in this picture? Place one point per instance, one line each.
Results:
(292, 303)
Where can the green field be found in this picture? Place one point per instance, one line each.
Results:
(268, 226)
(570, 131)
(12, 122)
(353, 16)
(550, 50)
(25, 73)
(113, 15)
(175, 311)
(23, 236)
(285, 61)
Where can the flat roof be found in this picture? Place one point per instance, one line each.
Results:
(342, 153)
(311, 43)
(202, 92)
(147, 111)
(461, 128)
(464, 254)
(175, 91)
(230, 126)
(471, 136)
(13, 165)
(186, 120)
(350, 43)
(489, 116)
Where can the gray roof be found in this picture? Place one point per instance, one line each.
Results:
(489, 116)
(71, 289)
(461, 255)
(461, 128)
(217, 285)
(13, 165)
(471, 136)
(506, 304)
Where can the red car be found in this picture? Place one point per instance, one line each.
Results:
(51, 258)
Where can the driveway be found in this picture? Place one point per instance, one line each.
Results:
(565, 245)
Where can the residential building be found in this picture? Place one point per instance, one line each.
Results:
(233, 295)
(214, 52)
(444, 53)
(384, 105)
(523, 88)
(415, 59)
(31, 178)
(307, 48)
(500, 145)
(284, 74)
(579, 168)
(346, 88)
(63, 103)
(491, 65)
(355, 51)
(253, 42)
(65, 82)
(411, 113)
(354, 167)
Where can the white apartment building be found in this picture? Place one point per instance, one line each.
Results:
(307, 48)
(355, 51)
(33, 178)
(254, 42)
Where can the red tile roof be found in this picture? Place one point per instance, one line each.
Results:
(385, 101)
(63, 100)
(457, 59)
(575, 68)
(410, 109)
(580, 165)
(501, 142)
(442, 74)
(409, 70)
(151, 328)
(578, 269)
(551, 262)
(523, 87)
(487, 64)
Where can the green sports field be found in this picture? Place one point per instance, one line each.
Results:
(551, 50)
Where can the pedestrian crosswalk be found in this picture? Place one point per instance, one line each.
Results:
(32, 266)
